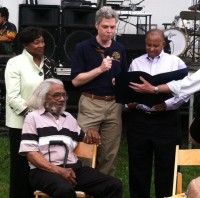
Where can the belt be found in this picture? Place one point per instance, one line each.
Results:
(106, 98)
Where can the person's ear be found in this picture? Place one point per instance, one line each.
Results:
(164, 43)
(96, 25)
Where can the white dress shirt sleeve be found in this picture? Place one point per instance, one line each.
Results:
(186, 86)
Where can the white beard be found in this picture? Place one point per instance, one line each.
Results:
(52, 109)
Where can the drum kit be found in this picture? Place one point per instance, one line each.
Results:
(183, 36)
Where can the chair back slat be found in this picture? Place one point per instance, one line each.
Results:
(183, 157)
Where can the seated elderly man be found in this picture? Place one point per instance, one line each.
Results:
(49, 123)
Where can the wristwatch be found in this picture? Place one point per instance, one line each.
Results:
(156, 91)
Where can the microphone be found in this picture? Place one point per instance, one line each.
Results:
(108, 52)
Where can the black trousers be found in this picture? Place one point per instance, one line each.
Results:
(88, 179)
(19, 168)
(152, 139)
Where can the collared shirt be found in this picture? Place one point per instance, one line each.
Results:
(40, 127)
(88, 56)
(160, 64)
(22, 76)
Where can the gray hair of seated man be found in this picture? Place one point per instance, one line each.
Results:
(38, 98)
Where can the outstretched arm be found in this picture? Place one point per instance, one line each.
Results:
(146, 87)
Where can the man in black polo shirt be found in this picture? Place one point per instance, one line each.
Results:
(8, 32)
(95, 64)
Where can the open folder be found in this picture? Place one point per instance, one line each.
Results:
(126, 95)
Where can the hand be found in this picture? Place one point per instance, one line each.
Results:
(113, 81)
(106, 64)
(92, 137)
(161, 107)
(146, 87)
(69, 175)
(132, 105)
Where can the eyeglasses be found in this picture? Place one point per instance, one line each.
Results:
(58, 96)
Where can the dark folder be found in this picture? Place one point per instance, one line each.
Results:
(126, 95)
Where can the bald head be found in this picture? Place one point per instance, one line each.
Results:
(157, 33)
(155, 42)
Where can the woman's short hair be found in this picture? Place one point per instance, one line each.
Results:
(106, 12)
(29, 34)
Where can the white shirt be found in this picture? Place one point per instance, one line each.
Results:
(189, 85)
(160, 64)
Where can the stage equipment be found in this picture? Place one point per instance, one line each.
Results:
(177, 41)
(46, 17)
(78, 24)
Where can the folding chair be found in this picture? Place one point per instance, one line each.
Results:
(183, 157)
(85, 151)
(182, 195)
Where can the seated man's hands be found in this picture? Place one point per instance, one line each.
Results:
(92, 137)
(69, 175)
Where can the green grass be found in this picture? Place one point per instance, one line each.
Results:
(122, 166)
(4, 166)
(121, 172)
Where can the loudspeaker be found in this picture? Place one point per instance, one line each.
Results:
(39, 15)
(78, 24)
(70, 38)
(78, 17)
(134, 45)
(46, 17)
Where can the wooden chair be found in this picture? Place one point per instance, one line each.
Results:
(182, 195)
(85, 151)
(183, 157)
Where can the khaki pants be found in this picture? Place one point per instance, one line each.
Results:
(105, 117)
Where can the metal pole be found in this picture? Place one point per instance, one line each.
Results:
(191, 110)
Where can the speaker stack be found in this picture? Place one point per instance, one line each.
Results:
(46, 17)
(78, 24)
(134, 45)
(63, 28)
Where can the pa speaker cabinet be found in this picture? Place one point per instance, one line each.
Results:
(39, 15)
(69, 39)
(134, 45)
(46, 17)
(81, 17)
(132, 41)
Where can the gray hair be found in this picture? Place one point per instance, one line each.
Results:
(106, 12)
(38, 98)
